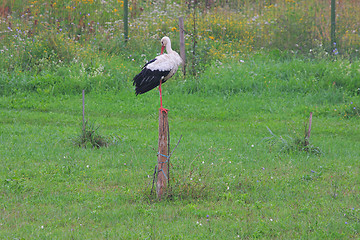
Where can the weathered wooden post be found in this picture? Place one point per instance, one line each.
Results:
(309, 129)
(333, 25)
(307, 133)
(182, 44)
(126, 25)
(83, 108)
(163, 155)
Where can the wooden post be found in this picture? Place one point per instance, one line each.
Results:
(182, 44)
(309, 130)
(163, 159)
(126, 25)
(83, 106)
(333, 28)
(307, 134)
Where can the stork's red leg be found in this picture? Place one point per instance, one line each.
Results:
(161, 106)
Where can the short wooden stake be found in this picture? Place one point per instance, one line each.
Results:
(307, 133)
(163, 155)
(83, 108)
(309, 129)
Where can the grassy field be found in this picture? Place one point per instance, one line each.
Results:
(256, 70)
(231, 177)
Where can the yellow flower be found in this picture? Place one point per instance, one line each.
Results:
(115, 10)
(211, 37)
(173, 29)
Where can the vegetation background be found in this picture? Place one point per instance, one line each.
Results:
(243, 169)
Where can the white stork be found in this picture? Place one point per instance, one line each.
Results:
(158, 70)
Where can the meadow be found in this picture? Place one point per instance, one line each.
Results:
(240, 171)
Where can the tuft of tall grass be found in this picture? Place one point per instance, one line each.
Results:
(90, 137)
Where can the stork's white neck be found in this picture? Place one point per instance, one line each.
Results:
(168, 47)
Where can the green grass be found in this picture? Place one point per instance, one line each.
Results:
(231, 178)
(223, 166)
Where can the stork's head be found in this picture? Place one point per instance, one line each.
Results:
(164, 41)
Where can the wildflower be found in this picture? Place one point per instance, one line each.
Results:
(173, 29)
(211, 37)
(354, 108)
(115, 10)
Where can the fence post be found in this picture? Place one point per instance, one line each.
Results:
(163, 155)
(333, 26)
(182, 44)
(126, 25)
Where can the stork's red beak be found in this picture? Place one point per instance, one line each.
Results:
(162, 49)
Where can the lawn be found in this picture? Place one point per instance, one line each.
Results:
(237, 172)
(256, 70)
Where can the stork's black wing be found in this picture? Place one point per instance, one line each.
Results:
(148, 79)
